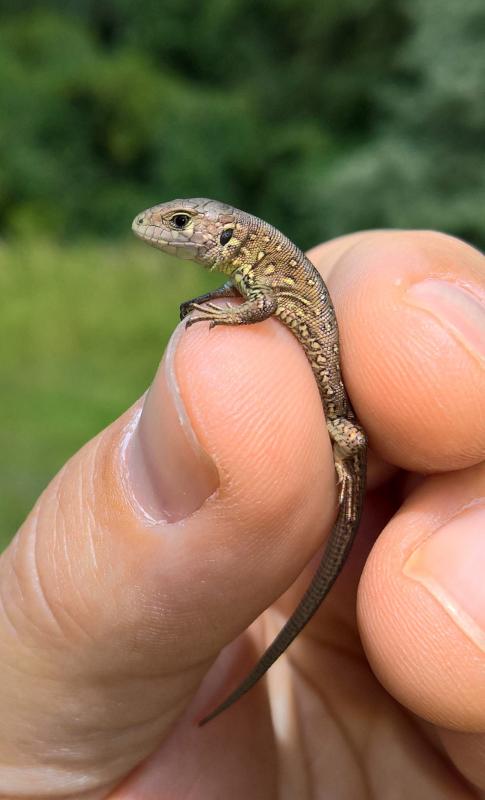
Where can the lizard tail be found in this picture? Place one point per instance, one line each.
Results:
(333, 559)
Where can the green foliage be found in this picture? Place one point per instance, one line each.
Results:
(322, 117)
(424, 165)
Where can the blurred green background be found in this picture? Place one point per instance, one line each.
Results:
(321, 116)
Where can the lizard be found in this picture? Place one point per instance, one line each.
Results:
(274, 278)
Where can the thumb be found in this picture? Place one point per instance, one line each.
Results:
(152, 548)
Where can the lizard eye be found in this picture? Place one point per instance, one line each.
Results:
(180, 221)
(226, 235)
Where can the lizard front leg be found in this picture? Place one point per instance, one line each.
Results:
(259, 305)
(226, 290)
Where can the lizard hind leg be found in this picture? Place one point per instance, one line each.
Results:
(347, 435)
(349, 440)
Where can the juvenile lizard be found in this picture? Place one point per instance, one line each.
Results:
(274, 278)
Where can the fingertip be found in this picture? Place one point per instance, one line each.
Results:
(420, 602)
(411, 310)
(254, 405)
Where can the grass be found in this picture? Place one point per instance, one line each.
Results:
(82, 329)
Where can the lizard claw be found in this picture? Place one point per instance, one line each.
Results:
(192, 321)
(341, 481)
(184, 310)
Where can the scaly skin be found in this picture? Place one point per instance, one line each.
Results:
(275, 279)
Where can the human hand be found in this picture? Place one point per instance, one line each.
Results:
(163, 538)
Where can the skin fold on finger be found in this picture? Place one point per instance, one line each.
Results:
(421, 611)
(109, 616)
(411, 311)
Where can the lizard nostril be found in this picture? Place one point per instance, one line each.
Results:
(140, 220)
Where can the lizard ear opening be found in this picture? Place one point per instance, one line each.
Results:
(226, 236)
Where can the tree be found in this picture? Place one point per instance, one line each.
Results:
(424, 166)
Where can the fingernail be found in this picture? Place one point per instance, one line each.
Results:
(171, 475)
(449, 564)
(460, 310)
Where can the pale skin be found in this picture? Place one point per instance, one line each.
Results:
(123, 585)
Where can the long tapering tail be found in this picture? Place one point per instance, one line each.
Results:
(332, 561)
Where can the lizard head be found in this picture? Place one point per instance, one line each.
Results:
(201, 230)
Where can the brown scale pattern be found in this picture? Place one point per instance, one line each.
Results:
(304, 304)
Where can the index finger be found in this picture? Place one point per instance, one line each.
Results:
(411, 311)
